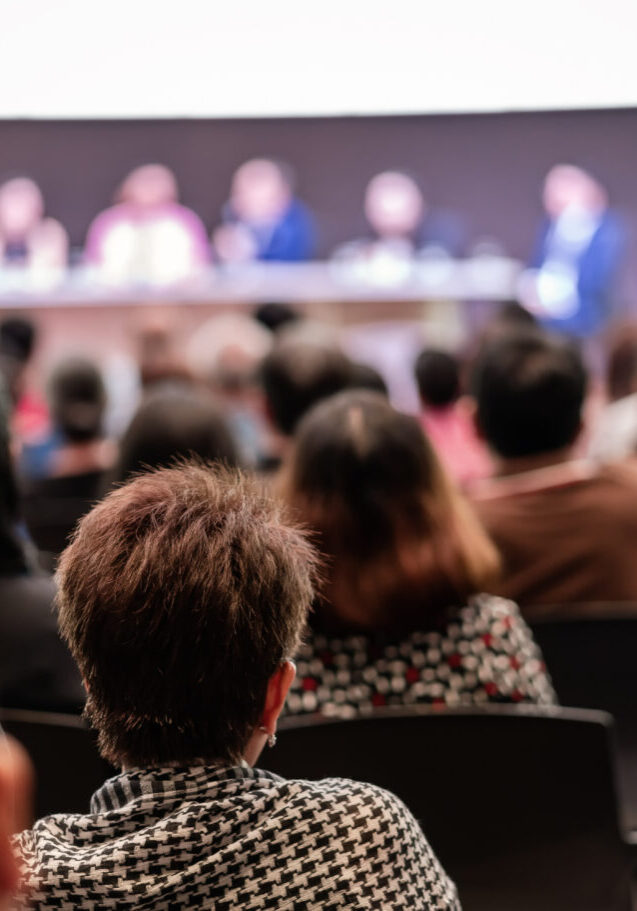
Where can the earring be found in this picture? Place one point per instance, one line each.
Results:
(271, 737)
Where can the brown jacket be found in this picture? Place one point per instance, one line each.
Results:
(567, 534)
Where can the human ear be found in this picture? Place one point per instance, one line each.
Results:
(278, 687)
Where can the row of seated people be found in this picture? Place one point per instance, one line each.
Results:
(178, 578)
(147, 234)
(368, 482)
(262, 219)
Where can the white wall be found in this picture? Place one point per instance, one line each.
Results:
(206, 58)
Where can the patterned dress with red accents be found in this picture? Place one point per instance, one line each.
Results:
(484, 653)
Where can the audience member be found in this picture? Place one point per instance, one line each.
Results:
(182, 598)
(159, 352)
(224, 354)
(36, 670)
(30, 416)
(401, 618)
(510, 316)
(565, 528)
(448, 418)
(299, 372)
(157, 358)
(147, 236)
(614, 434)
(67, 469)
(174, 423)
(263, 220)
(17, 341)
(621, 371)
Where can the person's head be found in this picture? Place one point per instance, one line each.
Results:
(529, 389)
(226, 350)
(149, 186)
(437, 377)
(569, 187)
(17, 340)
(261, 190)
(364, 376)
(77, 398)
(158, 344)
(511, 316)
(17, 337)
(182, 596)
(401, 545)
(275, 316)
(21, 208)
(299, 372)
(621, 371)
(170, 423)
(394, 205)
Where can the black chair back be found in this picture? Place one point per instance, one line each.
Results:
(67, 764)
(518, 803)
(593, 664)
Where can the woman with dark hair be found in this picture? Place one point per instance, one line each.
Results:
(170, 423)
(402, 617)
(36, 670)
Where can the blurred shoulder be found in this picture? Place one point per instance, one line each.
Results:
(492, 609)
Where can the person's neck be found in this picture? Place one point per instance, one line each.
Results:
(504, 467)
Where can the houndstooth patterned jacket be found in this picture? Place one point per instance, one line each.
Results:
(233, 838)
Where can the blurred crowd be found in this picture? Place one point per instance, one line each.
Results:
(235, 391)
(547, 458)
(509, 497)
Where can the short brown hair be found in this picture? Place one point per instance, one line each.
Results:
(402, 545)
(180, 595)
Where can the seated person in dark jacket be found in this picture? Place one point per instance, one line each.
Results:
(36, 670)
(263, 220)
(402, 227)
(72, 460)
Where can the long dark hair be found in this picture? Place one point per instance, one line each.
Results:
(401, 544)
